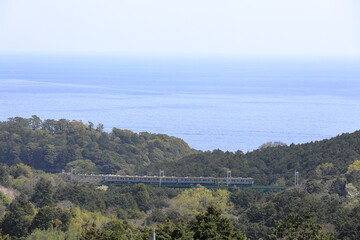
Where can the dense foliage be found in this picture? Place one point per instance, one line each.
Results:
(271, 165)
(55, 145)
(39, 205)
(45, 205)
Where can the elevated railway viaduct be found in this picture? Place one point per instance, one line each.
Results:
(165, 181)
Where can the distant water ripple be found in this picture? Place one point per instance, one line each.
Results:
(211, 104)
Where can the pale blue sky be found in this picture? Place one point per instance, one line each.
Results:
(307, 28)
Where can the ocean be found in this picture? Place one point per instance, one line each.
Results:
(212, 103)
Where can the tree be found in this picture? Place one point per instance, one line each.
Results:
(100, 127)
(35, 122)
(18, 220)
(196, 200)
(325, 169)
(82, 166)
(118, 230)
(51, 217)
(211, 226)
(142, 197)
(4, 176)
(115, 230)
(171, 231)
(21, 170)
(271, 144)
(355, 166)
(44, 192)
(348, 223)
(88, 197)
(90, 125)
(243, 199)
(299, 227)
(6, 237)
(91, 233)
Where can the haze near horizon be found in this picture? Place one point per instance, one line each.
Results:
(322, 28)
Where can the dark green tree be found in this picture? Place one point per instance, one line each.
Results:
(35, 122)
(88, 197)
(119, 230)
(212, 226)
(348, 223)
(299, 227)
(51, 217)
(242, 199)
(115, 230)
(142, 197)
(44, 193)
(17, 220)
(4, 176)
(171, 231)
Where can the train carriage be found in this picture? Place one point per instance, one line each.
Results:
(159, 180)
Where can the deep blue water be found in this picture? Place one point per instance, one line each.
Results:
(210, 103)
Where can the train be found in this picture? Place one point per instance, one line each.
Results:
(159, 180)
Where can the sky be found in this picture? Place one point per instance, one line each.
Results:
(307, 28)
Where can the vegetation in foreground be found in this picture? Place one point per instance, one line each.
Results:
(36, 204)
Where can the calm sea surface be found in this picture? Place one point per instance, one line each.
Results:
(225, 104)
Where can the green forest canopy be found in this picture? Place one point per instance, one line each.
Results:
(56, 145)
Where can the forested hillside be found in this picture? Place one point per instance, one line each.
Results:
(36, 205)
(271, 165)
(55, 145)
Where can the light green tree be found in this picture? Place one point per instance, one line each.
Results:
(355, 166)
(193, 201)
(325, 169)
